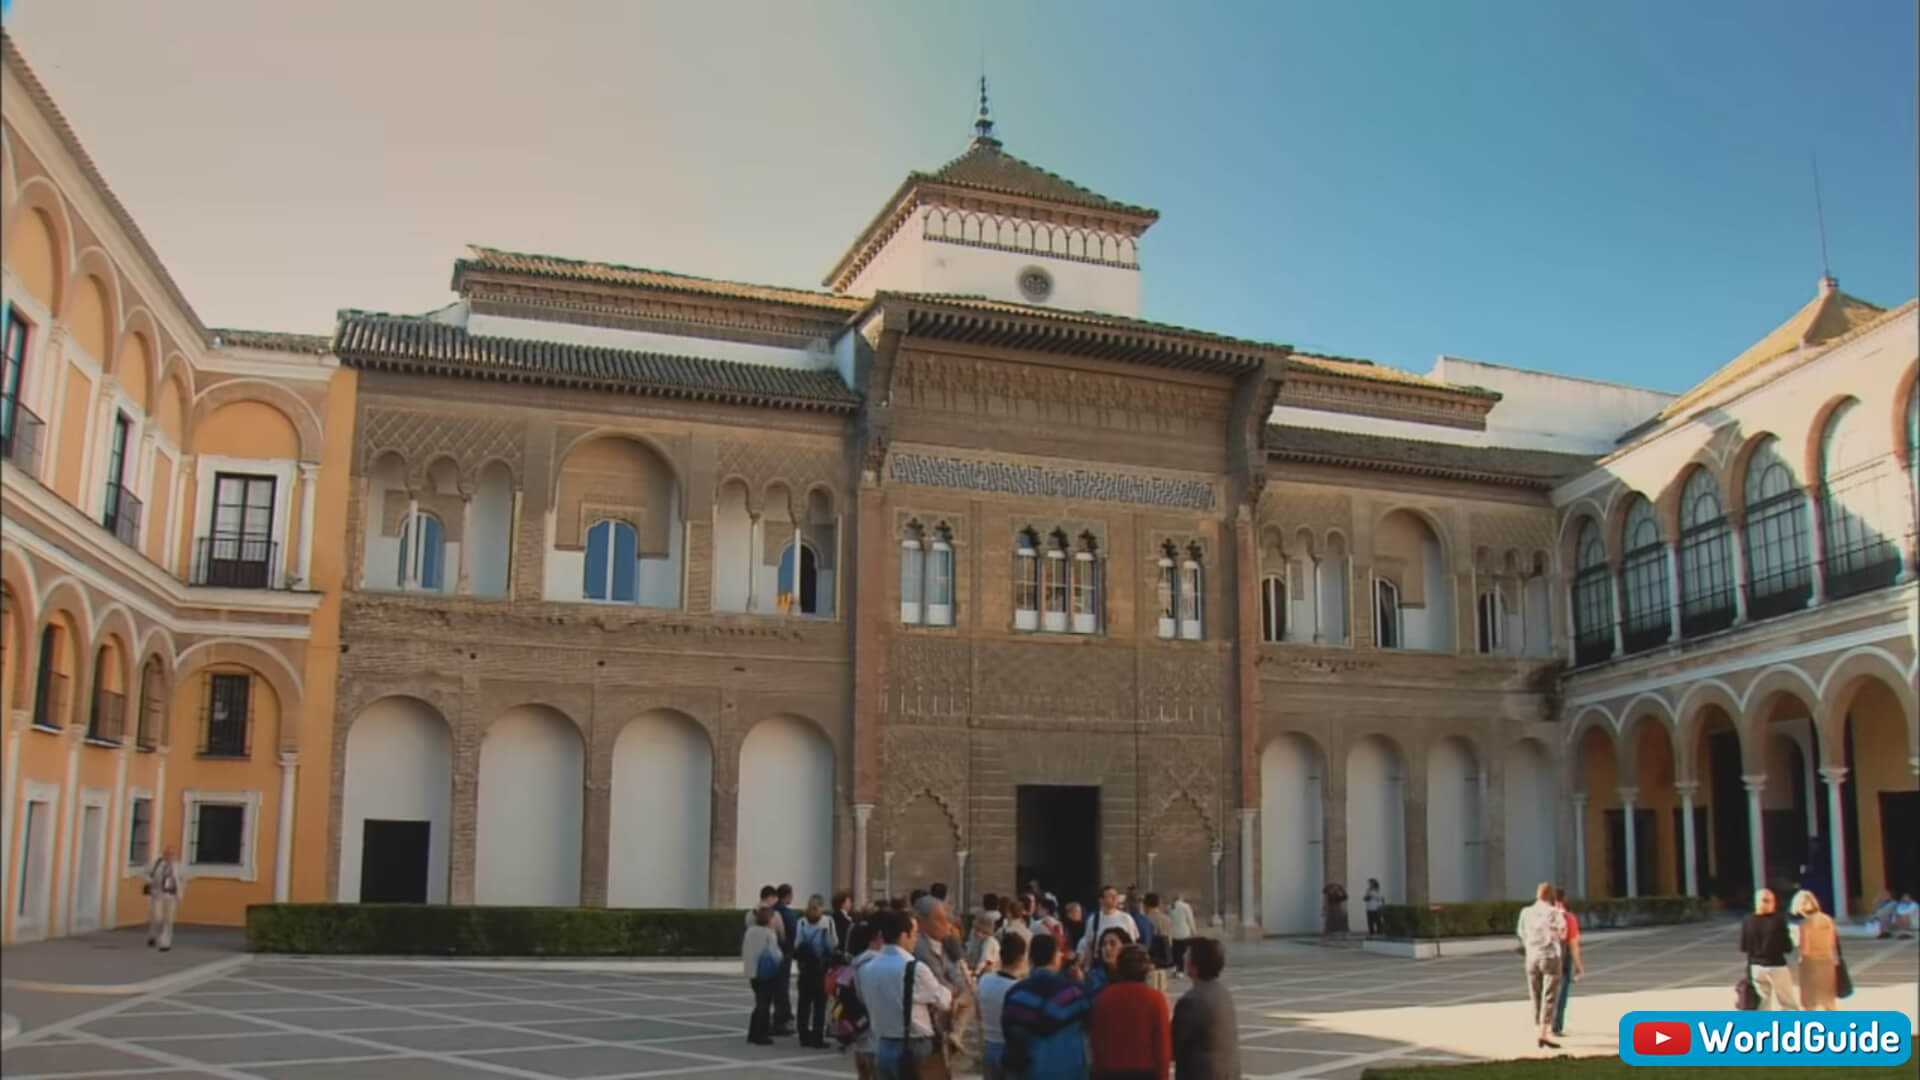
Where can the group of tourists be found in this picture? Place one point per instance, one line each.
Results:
(1030, 989)
(1768, 938)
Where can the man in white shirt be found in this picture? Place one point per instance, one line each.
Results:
(904, 1045)
(993, 998)
(1109, 917)
(1543, 932)
(163, 899)
(1181, 913)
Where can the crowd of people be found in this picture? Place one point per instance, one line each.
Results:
(1028, 989)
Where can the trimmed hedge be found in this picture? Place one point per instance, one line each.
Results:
(465, 930)
(1488, 918)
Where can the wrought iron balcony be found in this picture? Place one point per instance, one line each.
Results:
(123, 513)
(23, 441)
(236, 562)
(108, 721)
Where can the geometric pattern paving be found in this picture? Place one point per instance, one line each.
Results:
(284, 1019)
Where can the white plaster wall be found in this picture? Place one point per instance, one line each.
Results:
(399, 768)
(732, 551)
(912, 263)
(1291, 830)
(531, 795)
(1334, 575)
(1431, 627)
(786, 810)
(1543, 411)
(1531, 799)
(661, 809)
(648, 341)
(1456, 834)
(492, 539)
(900, 266)
(380, 566)
(1376, 825)
(1539, 618)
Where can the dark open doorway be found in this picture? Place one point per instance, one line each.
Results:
(1059, 840)
(393, 862)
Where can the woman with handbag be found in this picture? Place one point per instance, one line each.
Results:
(163, 899)
(1819, 954)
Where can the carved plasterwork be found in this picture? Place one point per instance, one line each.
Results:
(922, 761)
(421, 437)
(930, 680)
(1185, 687)
(997, 387)
(799, 466)
(1065, 684)
(1041, 481)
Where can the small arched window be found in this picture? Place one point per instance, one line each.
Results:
(1168, 589)
(912, 574)
(797, 584)
(1086, 586)
(613, 563)
(1855, 506)
(1026, 581)
(50, 686)
(1648, 618)
(1056, 584)
(1490, 620)
(1592, 599)
(1192, 595)
(1386, 614)
(940, 578)
(423, 565)
(1705, 557)
(152, 701)
(1779, 565)
(1273, 609)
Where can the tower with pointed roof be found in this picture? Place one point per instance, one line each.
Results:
(991, 225)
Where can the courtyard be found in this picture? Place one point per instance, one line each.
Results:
(1306, 1010)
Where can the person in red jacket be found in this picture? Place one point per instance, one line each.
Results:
(1131, 1032)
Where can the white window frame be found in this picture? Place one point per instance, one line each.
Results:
(1083, 590)
(283, 470)
(33, 918)
(1056, 580)
(247, 869)
(79, 919)
(585, 541)
(1026, 568)
(940, 552)
(913, 569)
(1273, 598)
(1167, 597)
(134, 795)
(416, 554)
(1192, 599)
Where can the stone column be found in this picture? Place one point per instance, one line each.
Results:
(466, 816)
(16, 721)
(1413, 839)
(1249, 918)
(886, 863)
(1318, 607)
(1673, 591)
(409, 578)
(1151, 855)
(1835, 775)
(862, 815)
(283, 839)
(960, 904)
(1580, 844)
(1627, 795)
(1737, 540)
(117, 826)
(1219, 890)
(1756, 837)
(1817, 532)
(597, 831)
(463, 582)
(1619, 610)
(1689, 853)
(754, 556)
(309, 494)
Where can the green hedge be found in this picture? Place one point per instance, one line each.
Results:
(448, 930)
(1495, 917)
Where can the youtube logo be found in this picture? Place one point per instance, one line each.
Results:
(1662, 1037)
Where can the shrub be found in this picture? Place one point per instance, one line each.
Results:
(465, 930)
(1484, 918)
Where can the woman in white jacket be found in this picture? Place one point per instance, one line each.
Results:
(760, 958)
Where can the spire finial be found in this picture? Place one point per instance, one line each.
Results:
(983, 127)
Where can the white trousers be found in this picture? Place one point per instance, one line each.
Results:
(160, 909)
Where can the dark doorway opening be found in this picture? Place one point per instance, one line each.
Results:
(393, 862)
(1645, 861)
(1899, 823)
(1732, 854)
(1059, 840)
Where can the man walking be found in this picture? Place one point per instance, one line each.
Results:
(1109, 917)
(1765, 942)
(1183, 929)
(163, 900)
(1543, 930)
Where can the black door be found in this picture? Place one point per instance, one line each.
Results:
(393, 862)
(1059, 840)
(1644, 862)
(1899, 824)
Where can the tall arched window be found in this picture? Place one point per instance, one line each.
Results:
(1055, 584)
(1026, 581)
(423, 565)
(1192, 595)
(1168, 588)
(107, 719)
(1706, 557)
(152, 700)
(613, 562)
(1086, 586)
(1386, 614)
(1643, 580)
(798, 580)
(1490, 620)
(912, 574)
(1779, 566)
(1592, 599)
(1854, 504)
(940, 578)
(50, 687)
(1273, 609)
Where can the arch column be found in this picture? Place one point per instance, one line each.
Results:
(1249, 915)
(1627, 796)
(1817, 531)
(1673, 590)
(463, 581)
(1685, 789)
(309, 494)
(1413, 830)
(596, 823)
(283, 840)
(1835, 775)
(1737, 539)
(462, 834)
(1580, 844)
(1756, 836)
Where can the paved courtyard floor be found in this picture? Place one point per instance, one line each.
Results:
(1305, 1011)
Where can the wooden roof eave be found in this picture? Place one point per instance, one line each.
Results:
(421, 366)
(1412, 468)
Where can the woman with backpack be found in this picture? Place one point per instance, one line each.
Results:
(814, 944)
(760, 960)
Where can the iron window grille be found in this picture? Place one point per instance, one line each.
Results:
(1705, 558)
(1779, 574)
(217, 834)
(1592, 601)
(229, 715)
(140, 832)
(50, 687)
(1643, 581)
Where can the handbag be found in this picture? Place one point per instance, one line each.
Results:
(1745, 997)
(1842, 978)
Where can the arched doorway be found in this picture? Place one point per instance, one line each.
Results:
(1292, 835)
(531, 796)
(395, 805)
(785, 810)
(662, 773)
(1456, 830)
(1531, 797)
(1376, 823)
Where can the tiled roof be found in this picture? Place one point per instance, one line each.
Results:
(413, 345)
(223, 337)
(1367, 369)
(1525, 468)
(987, 167)
(972, 317)
(513, 262)
(1830, 315)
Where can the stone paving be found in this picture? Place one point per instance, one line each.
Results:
(1305, 1011)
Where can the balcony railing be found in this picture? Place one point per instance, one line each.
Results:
(1593, 648)
(50, 702)
(22, 442)
(236, 562)
(109, 719)
(123, 512)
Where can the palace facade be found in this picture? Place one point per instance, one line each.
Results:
(614, 586)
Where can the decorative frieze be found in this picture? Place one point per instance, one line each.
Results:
(1040, 481)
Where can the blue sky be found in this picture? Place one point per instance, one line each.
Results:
(1617, 191)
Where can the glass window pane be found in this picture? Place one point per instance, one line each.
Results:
(599, 541)
(626, 563)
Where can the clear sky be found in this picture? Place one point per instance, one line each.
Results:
(1616, 190)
